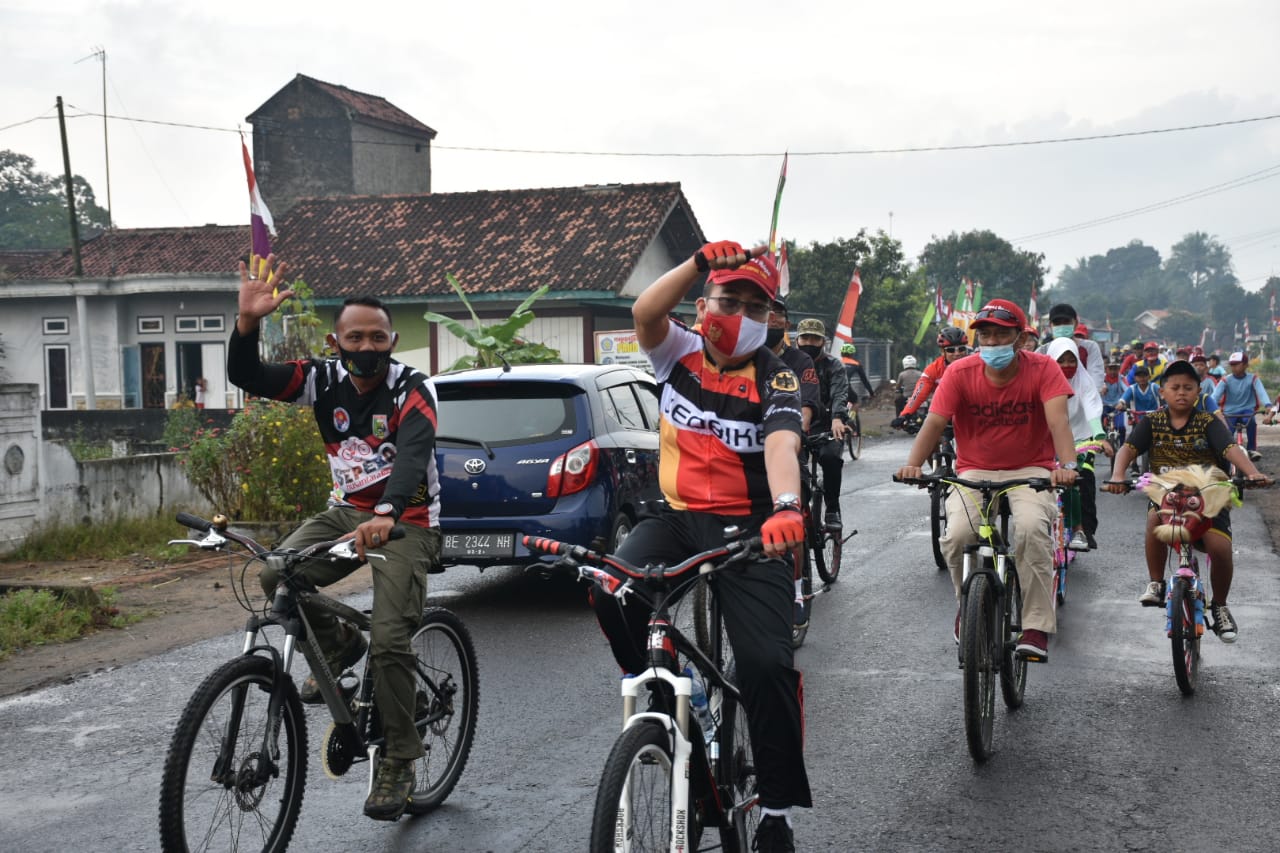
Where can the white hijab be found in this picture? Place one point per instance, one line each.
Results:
(1084, 408)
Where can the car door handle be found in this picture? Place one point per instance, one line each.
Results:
(631, 456)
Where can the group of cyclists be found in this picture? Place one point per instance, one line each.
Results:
(736, 398)
(1023, 408)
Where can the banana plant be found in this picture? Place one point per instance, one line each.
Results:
(497, 343)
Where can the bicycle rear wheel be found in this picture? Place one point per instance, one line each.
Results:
(978, 640)
(853, 438)
(633, 802)
(448, 700)
(1182, 635)
(220, 790)
(1013, 669)
(938, 523)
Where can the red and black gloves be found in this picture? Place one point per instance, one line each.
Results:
(783, 528)
(722, 254)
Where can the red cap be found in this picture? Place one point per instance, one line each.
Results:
(1000, 312)
(1081, 330)
(759, 271)
(1151, 345)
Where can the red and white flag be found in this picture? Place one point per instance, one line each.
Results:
(849, 310)
(940, 308)
(1033, 313)
(261, 226)
(784, 271)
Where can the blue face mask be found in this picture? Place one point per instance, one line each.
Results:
(1062, 331)
(997, 358)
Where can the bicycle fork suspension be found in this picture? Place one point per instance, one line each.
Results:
(681, 747)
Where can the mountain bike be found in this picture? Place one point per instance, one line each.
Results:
(1184, 519)
(990, 608)
(237, 763)
(673, 772)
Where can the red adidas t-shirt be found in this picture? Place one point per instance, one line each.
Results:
(1001, 428)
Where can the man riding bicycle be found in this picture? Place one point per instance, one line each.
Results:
(811, 335)
(730, 436)
(852, 368)
(377, 418)
(955, 346)
(1009, 412)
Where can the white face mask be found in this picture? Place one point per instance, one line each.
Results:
(733, 335)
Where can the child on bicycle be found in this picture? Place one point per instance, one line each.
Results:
(1009, 412)
(1177, 436)
(1240, 395)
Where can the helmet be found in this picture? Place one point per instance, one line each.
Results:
(908, 362)
(848, 349)
(951, 336)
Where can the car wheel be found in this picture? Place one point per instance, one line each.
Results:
(621, 530)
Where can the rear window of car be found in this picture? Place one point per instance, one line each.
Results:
(507, 412)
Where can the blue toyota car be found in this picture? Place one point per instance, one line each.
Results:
(568, 451)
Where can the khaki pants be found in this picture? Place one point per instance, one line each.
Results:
(1032, 513)
(399, 594)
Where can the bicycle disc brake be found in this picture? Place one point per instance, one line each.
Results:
(334, 756)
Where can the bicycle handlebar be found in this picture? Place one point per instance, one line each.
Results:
(615, 574)
(217, 535)
(1132, 483)
(1039, 484)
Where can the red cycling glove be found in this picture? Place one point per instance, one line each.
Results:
(720, 255)
(783, 528)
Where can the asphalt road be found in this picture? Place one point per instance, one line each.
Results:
(1105, 755)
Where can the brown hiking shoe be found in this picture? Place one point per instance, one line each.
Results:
(353, 648)
(392, 785)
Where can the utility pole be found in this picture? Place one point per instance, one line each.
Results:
(100, 53)
(71, 195)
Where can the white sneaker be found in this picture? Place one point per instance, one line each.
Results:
(1154, 595)
(1078, 542)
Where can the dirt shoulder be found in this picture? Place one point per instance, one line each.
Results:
(191, 599)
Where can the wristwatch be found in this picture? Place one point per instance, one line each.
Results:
(1070, 466)
(386, 508)
(785, 501)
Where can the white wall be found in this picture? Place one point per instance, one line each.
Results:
(561, 333)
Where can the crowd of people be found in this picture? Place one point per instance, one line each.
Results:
(1019, 407)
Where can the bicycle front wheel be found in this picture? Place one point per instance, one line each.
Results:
(1182, 635)
(736, 773)
(938, 524)
(224, 787)
(1013, 669)
(633, 802)
(853, 437)
(448, 700)
(978, 634)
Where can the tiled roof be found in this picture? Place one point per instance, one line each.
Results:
(150, 251)
(371, 107)
(15, 262)
(573, 238)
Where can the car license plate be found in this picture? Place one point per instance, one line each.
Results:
(479, 544)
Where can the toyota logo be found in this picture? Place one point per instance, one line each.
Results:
(473, 466)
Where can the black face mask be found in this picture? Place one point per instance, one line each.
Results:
(367, 364)
(813, 352)
(773, 337)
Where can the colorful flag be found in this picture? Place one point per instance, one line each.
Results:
(968, 295)
(1033, 313)
(849, 310)
(784, 272)
(1246, 329)
(260, 222)
(777, 205)
(939, 307)
(976, 302)
(929, 311)
(1203, 332)
(1273, 305)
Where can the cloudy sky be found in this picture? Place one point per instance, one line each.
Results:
(709, 78)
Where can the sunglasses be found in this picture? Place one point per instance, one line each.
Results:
(996, 314)
(955, 349)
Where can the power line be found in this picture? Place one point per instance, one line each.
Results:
(1235, 183)
(914, 149)
(43, 116)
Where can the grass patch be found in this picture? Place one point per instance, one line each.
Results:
(36, 617)
(104, 541)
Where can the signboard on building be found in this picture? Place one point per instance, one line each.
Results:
(619, 347)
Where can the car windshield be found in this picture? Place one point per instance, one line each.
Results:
(506, 412)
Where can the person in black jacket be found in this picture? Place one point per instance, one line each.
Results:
(377, 418)
(811, 335)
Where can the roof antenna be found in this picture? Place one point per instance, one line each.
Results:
(506, 365)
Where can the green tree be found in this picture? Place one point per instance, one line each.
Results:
(499, 342)
(981, 256)
(33, 206)
(1199, 273)
(1116, 286)
(891, 302)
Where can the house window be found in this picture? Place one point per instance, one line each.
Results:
(56, 325)
(186, 324)
(150, 325)
(57, 377)
(212, 323)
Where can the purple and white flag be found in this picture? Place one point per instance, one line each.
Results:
(261, 225)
